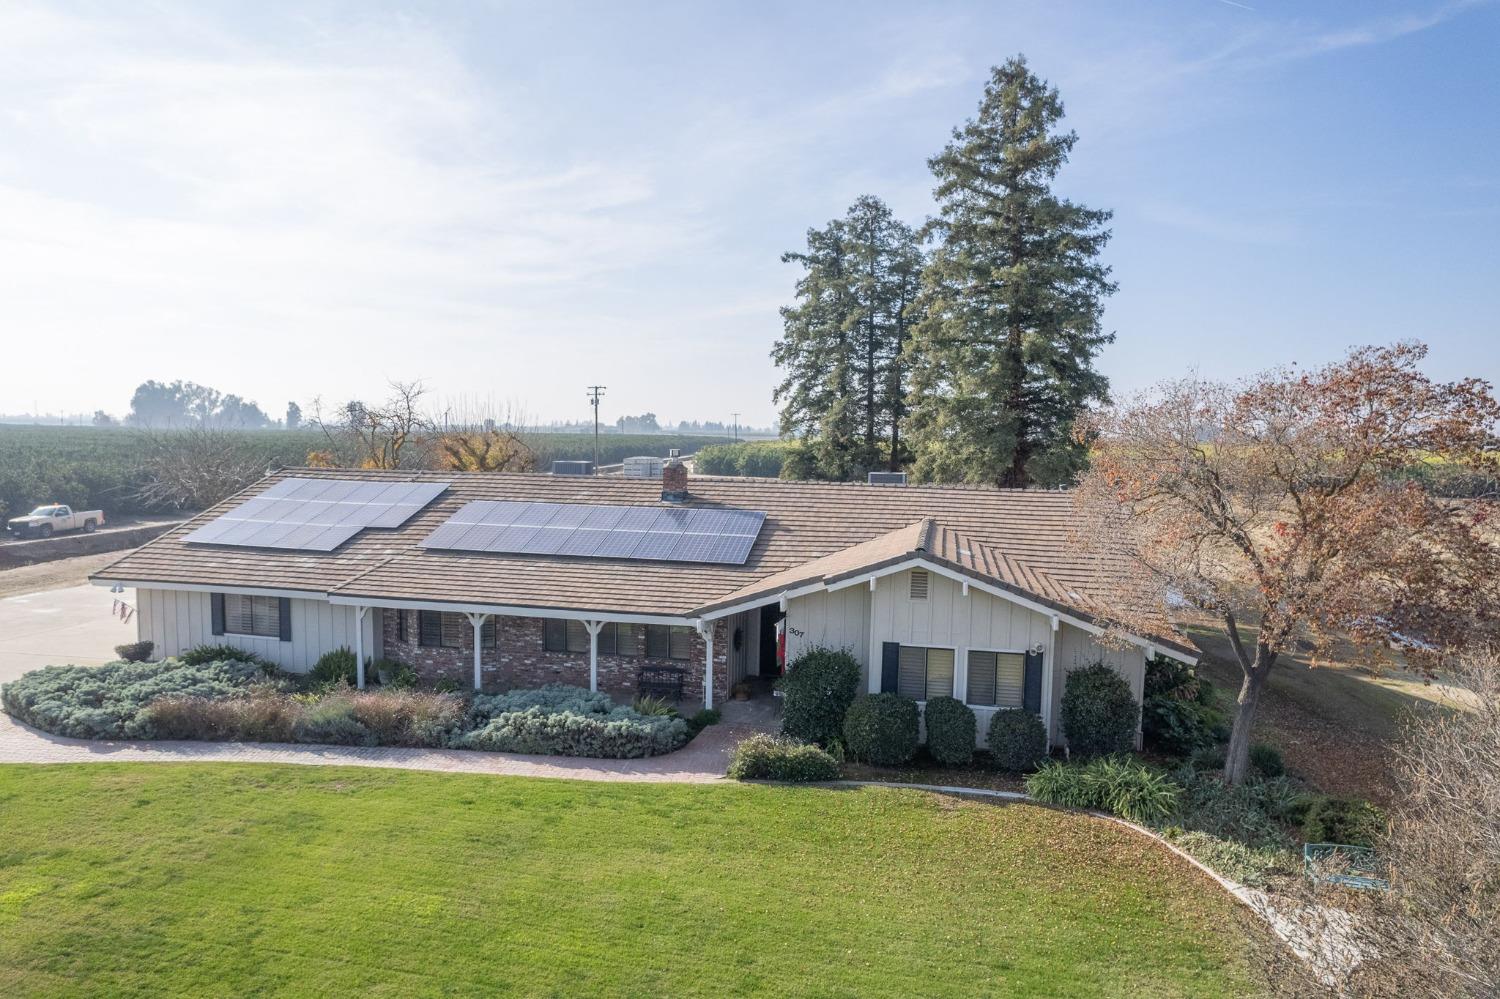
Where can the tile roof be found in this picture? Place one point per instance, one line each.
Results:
(1017, 539)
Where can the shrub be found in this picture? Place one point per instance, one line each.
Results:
(394, 674)
(1353, 821)
(1267, 760)
(135, 652)
(756, 458)
(1017, 739)
(333, 667)
(1254, 812)
(201, 654)
(1180, 713)
(447, 685)
(108, 702)
(568, 721)
(1121, 785)
(701, 721)
(951, 730)
(1209, 758)
(881, 729)
(767, 757)
(264, 715)
(654, 706)
(620, 734)
(331, 720)
(1099, 716)
(406, 717)
(817, 690)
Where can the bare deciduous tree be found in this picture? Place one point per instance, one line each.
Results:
(1436, 933)
(392, 434)
(196, 467)
(1279, 506)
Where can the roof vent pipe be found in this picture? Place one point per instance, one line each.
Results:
(674, 482)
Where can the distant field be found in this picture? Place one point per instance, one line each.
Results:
(102, 467)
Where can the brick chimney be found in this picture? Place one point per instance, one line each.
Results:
(674, 482)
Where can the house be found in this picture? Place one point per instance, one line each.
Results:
(515, 580)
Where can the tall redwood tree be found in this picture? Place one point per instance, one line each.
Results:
(1285, 509)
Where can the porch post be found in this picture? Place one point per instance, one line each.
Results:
(1048, 649)
(706, 629)
(477, 620)
(359, 646)
(593, 628)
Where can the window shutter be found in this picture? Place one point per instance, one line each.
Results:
(284, 617)
(216, 612)
(578, 637)
(919, 584)
(555, 634)
(1032, 699)
(890, 666)
(607, 639)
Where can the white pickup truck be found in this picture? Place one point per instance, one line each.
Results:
(45, 521)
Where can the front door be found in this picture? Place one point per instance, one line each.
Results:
(769, 615)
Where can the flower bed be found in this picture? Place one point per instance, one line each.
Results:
(230, 700)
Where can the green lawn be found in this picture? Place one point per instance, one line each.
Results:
(177, 879)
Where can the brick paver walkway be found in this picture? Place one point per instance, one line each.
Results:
(702, 760)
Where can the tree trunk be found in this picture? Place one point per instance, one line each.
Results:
(1237, 758)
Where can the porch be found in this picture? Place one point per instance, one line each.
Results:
(495, 651)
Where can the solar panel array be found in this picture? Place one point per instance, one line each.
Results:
(589, 531)
(316, 515)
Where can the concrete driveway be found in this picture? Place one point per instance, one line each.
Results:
(72, 625)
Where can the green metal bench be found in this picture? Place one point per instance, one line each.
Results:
(1352, 866)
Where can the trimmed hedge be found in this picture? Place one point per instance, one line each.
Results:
(1099, 715)
(816, 692)
(769, 757)
(109, 702)
(881, 729)
(951, 730)
(135, 652)
(1017, 739)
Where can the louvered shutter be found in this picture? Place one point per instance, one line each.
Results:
(284, 618)
(890, 667)
(216, 612)
(1033, 695)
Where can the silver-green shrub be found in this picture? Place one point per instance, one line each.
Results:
(110, 701)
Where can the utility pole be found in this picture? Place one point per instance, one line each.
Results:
(594, 392)
(736, 426)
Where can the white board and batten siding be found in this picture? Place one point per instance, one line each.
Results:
(178, 620)
(946, 618)
(837, 620)
(1075, 649)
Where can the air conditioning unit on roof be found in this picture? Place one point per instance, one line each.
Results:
(887, 479)
(572, 468)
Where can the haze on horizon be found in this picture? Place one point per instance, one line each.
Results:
(513, 202)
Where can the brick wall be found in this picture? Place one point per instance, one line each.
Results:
(519, 660)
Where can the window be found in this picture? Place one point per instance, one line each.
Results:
(559, 635)
(669, 642)
(252, 615)
(997, 679)
(925, 673)
(628, 640)
(918, 584)
(443, 629)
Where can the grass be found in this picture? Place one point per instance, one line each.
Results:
(185, 879)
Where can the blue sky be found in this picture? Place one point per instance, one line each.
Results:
(512, 201)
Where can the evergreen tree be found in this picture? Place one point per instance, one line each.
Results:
(1003, 362)
(842, 348)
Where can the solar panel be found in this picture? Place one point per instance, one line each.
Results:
(673, 534)
(316, 515)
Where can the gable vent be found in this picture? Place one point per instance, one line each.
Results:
(919, 584)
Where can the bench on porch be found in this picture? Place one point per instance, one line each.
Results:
(660, 681)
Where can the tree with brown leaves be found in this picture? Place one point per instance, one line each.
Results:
(1279, 507)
